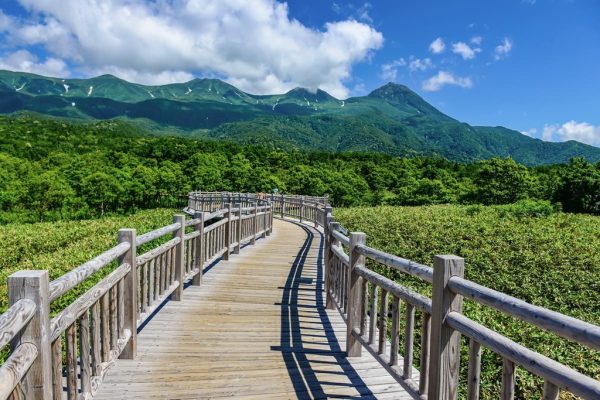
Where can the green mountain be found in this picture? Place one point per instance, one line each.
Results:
(392, 119)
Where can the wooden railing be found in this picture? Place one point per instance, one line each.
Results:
(365, 299)
(72, 351)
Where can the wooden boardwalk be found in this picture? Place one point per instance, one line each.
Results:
(256, 328)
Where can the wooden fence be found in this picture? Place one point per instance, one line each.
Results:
(72, 351)
(100, 326)
(365, 299)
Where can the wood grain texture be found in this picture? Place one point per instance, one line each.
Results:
(444, 357)
(34, 286)
(256, 328)
(15, 368)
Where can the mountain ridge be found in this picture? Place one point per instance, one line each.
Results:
(391, 119)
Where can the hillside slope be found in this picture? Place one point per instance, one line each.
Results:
(392, 119)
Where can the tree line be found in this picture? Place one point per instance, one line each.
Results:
(52, 169)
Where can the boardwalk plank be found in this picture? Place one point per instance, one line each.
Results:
(256, 328)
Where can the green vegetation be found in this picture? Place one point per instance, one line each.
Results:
(391, 120)
(54, 170)
(61, 246)
(527, 250)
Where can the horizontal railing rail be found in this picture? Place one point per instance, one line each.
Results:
(366, 299)
(68, 355)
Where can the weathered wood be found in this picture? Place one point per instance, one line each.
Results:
(238, 229)
(15, 319)
(114, 335)
(425, 346)
(60, 286)
(96, 339)
(383, 310)
(57, 384)
(567, 327)
(105, 332)
(354, 290)
(16, 368)
(157, 233)
(69, 315)
(130, 299)
(445, 341)
(34, 286)
(551, 391)
(405, 294)
(198, 250)
(409, 340)
(254, 224)
(474, 374)
(542, 366)
(401, 264)
(71, 346)
(84, 356)
(227, 232)
(508, 380)
(395, 338)
(373, 313)
(179, 267)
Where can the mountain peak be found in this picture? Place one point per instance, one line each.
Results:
(391, 91)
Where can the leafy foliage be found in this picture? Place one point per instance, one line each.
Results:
(53, 170)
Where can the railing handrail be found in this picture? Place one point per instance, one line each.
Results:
(101, 325)
(454, 287)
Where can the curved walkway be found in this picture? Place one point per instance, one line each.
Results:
(256, 328)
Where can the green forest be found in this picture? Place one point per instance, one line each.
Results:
(51, 169)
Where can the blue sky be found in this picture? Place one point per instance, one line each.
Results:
(525, 64)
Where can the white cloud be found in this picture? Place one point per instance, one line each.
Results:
(437, 46)
(256, 44)
(530, 132)
(23, 60)
(464, 50)
(444, 78)
(420, 64)
(362, 12)
(503, 49)
(389, 71)
(580, 131)
(476, 40)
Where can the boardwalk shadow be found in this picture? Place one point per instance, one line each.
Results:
(303, 359)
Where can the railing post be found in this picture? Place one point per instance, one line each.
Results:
(179, 257)
(35, 286)
(254, 224)
(333, 242)
(282, 206)
(355, 301)
(327, 230)
(444, 359)
(270, 219)
(198, 261)
(265, 216)
(227, 232)
(301, 208)
(238, 231)
(130, 292)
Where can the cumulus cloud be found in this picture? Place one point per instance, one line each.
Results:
(503, 49)
(444, 78)
(530, 132)
(437, 46)
(23, 60)
(572, 130)
(389, 71)
(476, 40)
(256, 45)
(420, 64)
(464, 50)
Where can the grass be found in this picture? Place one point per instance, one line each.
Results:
(551, 261)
